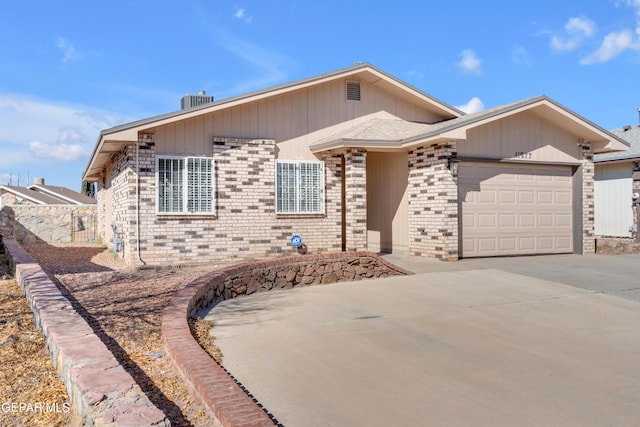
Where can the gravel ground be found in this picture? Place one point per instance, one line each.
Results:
(124, 307)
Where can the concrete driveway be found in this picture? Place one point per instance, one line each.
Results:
(492, 342)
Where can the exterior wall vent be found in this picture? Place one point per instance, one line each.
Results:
(190, 101)
(353, 91)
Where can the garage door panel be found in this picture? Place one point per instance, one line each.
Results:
(487, 220)
(515, 210)
(507, 220)
(527, 243)
(546, 243)
(545, 197)
(563, 220)
(563, 197)
(487, 246)
(507, 197)
(508, 243)
(527, 197)
(487, 197)
(565, 243)
(526, 220)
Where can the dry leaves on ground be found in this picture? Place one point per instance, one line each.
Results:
(31, 394)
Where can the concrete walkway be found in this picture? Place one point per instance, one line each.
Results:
(477, 344)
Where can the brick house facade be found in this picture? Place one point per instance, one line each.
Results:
(255, 170)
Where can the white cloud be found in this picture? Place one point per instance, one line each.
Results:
(613, 45)
(577, 29)
(561, 45)
(473, 106)
(62, 152)
(271, 64)
(470, 63)
(580, 26)
(46, 129)
(616, 42)
(242, 15)
(69, 52)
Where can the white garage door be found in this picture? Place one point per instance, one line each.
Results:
(515, 209)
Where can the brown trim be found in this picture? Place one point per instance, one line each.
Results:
(515, 161)
(343, 203)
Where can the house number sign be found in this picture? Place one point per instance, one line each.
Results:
(523, 155)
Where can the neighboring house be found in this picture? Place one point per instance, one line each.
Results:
(617, 177)
(12, 195)
(350, 160)
(41, 194)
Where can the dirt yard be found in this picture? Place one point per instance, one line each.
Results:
(124, 307)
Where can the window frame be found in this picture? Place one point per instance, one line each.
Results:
(298, 183)
(185, 190)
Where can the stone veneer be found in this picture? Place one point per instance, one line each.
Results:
(31, 224)
(208, 381)
(433, 203)
(588, 203)
(245, 223)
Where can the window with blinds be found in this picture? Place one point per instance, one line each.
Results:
(299, 187)
(185, 185)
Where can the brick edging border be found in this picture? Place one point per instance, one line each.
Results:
(99, 387)
(208, 381)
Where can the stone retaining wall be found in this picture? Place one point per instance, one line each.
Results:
(617, 245)
(208, 381)
(99, 387)
(31, 224)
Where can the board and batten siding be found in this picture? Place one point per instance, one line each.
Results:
(387, 206)
(613, 190)
(524, 136)
(294, 119)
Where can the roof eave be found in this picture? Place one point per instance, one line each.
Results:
(128, 133)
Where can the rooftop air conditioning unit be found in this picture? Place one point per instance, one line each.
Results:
(190, 101)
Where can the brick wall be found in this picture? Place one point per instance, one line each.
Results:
(588, 205)
(355, 162)
(245, 223)
(100, 212)
(433, 203)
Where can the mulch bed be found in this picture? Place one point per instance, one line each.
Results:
(31, 393)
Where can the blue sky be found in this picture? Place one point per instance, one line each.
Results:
(69, 69)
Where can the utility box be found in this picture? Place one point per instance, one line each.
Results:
(117, 242)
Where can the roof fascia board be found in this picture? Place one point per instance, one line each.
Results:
(632, 159)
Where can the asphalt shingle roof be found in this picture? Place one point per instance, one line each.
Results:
(632, 136)
(32, 195)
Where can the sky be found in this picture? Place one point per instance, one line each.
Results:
(71, 69)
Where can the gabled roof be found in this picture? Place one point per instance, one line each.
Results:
(31, 195)
(114, 139)
(63, 194)
(631, 134)
(393, 134)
